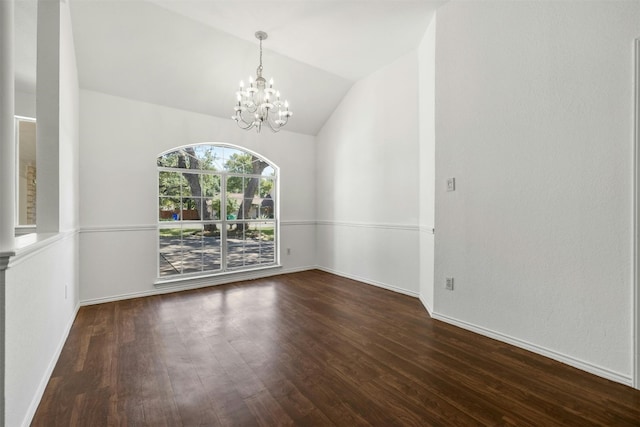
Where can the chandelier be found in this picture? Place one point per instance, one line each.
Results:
(260, 103)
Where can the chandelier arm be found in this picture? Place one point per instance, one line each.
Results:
(249, 124)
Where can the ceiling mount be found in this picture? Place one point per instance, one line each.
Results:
(261, 35)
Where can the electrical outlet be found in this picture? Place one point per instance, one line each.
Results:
(451, 184)
(449, 283)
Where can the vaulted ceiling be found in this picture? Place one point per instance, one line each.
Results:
(191, 54)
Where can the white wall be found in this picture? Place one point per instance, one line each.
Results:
(426, 114)
(68, 144)
(25, 104)
(534, 110)
(42, 280)
(367, 181)
(121, 140)
(39, 316)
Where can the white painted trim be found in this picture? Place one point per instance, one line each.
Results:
(36, 243)
(427, 230)
(196, 284)
(154, 227)
(118, 228)
(563, 358)
(208, 277)
(31, 411)
(298, 222)
(406, 227)
(636, 225)
(369, 281)
(426, 306)
(21, 230)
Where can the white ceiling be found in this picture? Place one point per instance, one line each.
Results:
(348, 38)
(191, 54)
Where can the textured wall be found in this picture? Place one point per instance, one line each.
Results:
(534, 107)
(367, 180)
(121, 140)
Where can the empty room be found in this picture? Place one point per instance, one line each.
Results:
(319, 212)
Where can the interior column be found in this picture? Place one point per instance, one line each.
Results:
(7, 141)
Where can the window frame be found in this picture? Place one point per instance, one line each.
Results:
(223, 222)
(21, 229)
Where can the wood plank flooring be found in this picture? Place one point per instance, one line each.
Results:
(308, 349)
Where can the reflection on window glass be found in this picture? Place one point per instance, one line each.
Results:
(215, 197)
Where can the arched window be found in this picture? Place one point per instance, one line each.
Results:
(217, 210)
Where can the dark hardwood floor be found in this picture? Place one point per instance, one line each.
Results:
(308, 349)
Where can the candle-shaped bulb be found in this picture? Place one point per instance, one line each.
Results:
(286, 105)
(241, 85)
(251, 80)
(278, 95)
(271, 83)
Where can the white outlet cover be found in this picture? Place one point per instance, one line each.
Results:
(451, 184)
(449, 283)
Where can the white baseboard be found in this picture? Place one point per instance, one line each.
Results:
(369, 281)
(551, 354)
(426, 305)
(33, 407)
(204, 283)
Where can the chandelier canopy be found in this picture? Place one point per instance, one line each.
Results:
(260, 103)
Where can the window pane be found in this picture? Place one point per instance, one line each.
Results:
(267, 201)
(217, 154)
(170, 251)
(236, 161)
(211, 248)
(191, 184)
(250, 208)
(251, 245)
(169, 209)
(191, 208)
(235, 245)
(235, 192)
(169, 183)
(204, 158)
(192, 235)
(267, 242)
(210, 185)
(212, 209)
(211, 202)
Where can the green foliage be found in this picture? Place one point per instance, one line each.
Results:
(232, 206)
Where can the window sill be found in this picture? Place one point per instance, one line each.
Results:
(28, 245)
(216, 278)
(21, 230)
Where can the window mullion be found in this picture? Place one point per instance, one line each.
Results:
(223, 218)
